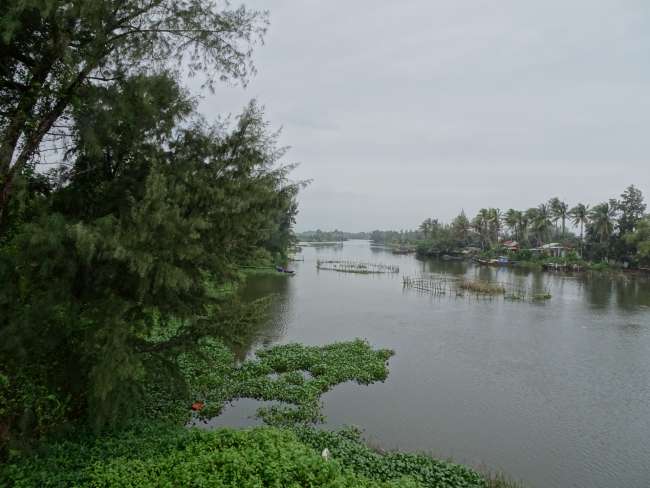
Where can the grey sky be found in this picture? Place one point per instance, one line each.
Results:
(405, 110)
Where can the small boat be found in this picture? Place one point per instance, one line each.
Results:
(280, 269)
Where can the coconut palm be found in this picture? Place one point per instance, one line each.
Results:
(522, 224)
(601, 221)
(511, 219)
(559, 211)
(530, 215)
(553, 205)
(562, 212)
(480, 223)
(542, 222)
(494, 221)
(580, 216)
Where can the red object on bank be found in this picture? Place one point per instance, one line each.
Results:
(196, 406)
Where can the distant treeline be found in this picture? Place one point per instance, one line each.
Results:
(617, 229)
(330, 236)
(614, 230)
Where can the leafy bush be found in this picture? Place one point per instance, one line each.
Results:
(347, 448)
(157, 455)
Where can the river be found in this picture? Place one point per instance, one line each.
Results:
(555, 393)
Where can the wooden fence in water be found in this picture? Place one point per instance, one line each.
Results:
(461, 286)
(356, 267)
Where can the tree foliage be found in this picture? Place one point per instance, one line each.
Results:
(115, 270)
(52, 50)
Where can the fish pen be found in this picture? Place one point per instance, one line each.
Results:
(461, 286)
(356, 267)
(435, 285)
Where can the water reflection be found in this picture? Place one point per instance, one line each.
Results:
(544, 391)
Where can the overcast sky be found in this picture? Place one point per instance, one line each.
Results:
(400, 111)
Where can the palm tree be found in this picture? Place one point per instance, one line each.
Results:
(542, 222)
(494, 221)
(428, 226)
(580, 216)
(511, 219)
(481, 225)
(522, 224)
(562, 212)
(559, 211)
(530, 215)
(601, 221)
(553, 205)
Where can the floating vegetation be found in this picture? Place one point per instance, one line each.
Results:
(482, 287)
(356, 267)
(294, 375)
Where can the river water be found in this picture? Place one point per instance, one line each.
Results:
(555, 394)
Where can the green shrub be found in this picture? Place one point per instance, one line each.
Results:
(158, 455)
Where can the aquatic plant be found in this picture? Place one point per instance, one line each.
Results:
(482, 287)
(160, 455)
(293, 374)
(347, 447)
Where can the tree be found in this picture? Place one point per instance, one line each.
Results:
(631, 207)
(461, 227)
(580, 216)
(601, 221)
(494, 222)
(522, 224)
(54, 49)
(553, 208)
(559, 211)
(115, 273)
(481, 225)
(428, 226)
(541, 222)
(639, 239)
(513, 220)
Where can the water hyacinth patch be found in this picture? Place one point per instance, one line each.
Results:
(294, 374)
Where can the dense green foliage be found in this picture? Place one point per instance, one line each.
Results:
(158, 455)
(158, 451)
(346, 447)
(640, 239)
(111, 261)
(53, 50)
(612, 230)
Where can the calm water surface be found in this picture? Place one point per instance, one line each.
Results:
(556, 394)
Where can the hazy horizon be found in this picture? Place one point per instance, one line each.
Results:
(399, 112)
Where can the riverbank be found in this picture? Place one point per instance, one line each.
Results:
(162, 455)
